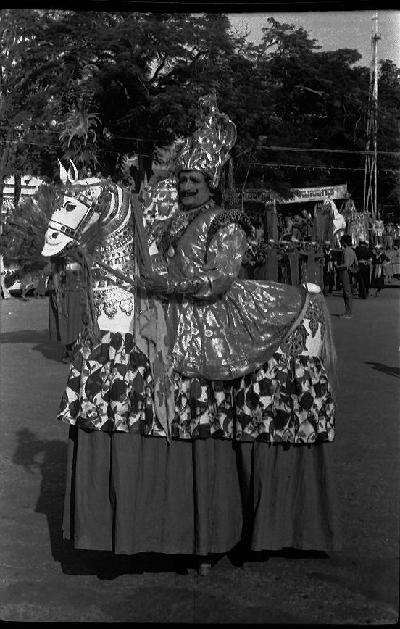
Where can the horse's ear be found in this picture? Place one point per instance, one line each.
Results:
(72, 172)
(63, 173)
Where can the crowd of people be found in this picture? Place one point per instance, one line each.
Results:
(360, 270)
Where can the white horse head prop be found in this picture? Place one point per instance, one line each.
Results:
(79, 210)
(105, 206)
(339, 221)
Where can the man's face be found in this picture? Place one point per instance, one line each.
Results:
(193, 189)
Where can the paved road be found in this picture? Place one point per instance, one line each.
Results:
(43, 579)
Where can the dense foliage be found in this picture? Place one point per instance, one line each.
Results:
(21, 242)
(97, 86)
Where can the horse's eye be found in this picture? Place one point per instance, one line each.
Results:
(54, 235)
(69, 206)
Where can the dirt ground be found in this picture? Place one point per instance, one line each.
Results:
(42, 578)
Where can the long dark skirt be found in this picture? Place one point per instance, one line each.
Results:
(378, 282)
(129, 493)
(289, 496)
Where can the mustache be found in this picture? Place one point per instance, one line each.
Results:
(188, 194)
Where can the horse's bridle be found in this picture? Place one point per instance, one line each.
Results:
(75, 232)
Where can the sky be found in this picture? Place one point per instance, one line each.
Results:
(335, 29)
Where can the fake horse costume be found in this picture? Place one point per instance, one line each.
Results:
(108, 392)
(124, 491)
(231, 377)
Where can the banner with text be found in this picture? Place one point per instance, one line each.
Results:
(299, 195)
(317, 194)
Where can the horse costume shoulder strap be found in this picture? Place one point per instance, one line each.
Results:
(141, 244)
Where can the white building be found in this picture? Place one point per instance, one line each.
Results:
(29, 186)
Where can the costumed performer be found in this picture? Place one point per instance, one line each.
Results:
(242, 370)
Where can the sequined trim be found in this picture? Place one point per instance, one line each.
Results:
(122, 241)
(113, 299)
(296, 343)
(224, 219)
(175, 228)
(316, 317)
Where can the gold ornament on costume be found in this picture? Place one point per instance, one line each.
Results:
(207, 150)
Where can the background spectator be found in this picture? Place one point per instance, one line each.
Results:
(364, 257)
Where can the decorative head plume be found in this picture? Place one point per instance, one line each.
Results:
(208, 148)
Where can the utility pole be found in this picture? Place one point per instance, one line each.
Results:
(371, 161)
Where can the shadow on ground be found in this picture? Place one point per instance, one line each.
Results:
(50, 458)
(40, 340)
(387, 369)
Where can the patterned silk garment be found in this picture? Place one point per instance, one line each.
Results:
(113, 297)
(231, 326)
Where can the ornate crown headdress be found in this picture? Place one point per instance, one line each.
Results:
(208, 148)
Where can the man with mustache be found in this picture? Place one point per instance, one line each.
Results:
(234, 376)
(193, 189)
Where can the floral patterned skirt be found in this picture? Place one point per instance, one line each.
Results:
(109, 386)
(240, 452)
(288, 399)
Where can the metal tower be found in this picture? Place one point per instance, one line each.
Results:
(371, 160)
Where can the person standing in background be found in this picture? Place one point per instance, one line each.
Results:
(287, 231)
(297, 228)
(364, 257)
(328, 274)
(349, 262)
(42, 281)
(390, 254)
(64, 304)
(395, 261)
(378, 274)
(388, 236)
(307, 224)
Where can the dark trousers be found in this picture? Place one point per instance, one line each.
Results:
(363, 281)
(329, 281)
(347, 297)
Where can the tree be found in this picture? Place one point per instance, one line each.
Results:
(306, 103)
(148, 90)
(79, 138)
(22, 238)
(98, 86)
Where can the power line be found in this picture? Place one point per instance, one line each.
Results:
(56, 145)
(261, 146)
(312, 167)
(52, 131)
(310, 150)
